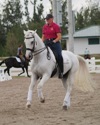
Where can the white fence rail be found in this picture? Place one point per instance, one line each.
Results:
(93, 67)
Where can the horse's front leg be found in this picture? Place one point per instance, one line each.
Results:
(22, 71)
(27, 71)
(30, 91)
(40, 86)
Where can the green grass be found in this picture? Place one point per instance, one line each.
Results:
(97, 56)
(2, 58)
(97, 63)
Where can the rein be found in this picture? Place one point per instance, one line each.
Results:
(32, 50)
(39, 51)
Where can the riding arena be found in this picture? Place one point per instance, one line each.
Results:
(13, 94)
(20, 104)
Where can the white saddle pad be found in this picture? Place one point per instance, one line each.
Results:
(18, 59)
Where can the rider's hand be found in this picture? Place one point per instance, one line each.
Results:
(54, 41)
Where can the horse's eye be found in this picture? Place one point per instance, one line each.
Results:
(32, 43)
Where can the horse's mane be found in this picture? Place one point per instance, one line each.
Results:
(38, 37)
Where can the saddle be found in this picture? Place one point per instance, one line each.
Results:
(22, 58)
(18, 59)
(57, 67)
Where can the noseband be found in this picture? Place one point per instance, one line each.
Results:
(32, 50)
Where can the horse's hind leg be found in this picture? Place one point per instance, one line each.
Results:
(70, 81)
(64, 79)
(7, 70)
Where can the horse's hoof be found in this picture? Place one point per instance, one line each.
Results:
(28, 105)
(28, 76)
(42, 100)
(65, 107)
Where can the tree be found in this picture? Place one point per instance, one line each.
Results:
(26, 11)
(37, 21)
(34, 8)
(88, 16)
(14, 39)
(51, 2)
(94, 16)
(18, 14)
(2, 37)
(11, 17)
(2, 33)
(64, 17)
(11, 46)
(79, 20)
(38, 11)
(12, 14)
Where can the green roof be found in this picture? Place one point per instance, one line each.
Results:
(92, 31)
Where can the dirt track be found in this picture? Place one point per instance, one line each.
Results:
(84, 110)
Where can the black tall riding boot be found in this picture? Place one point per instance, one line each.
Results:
(60, 64)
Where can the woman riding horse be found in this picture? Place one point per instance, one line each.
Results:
(20, 54)
(42, 67)
(12, 62)
(51, 36)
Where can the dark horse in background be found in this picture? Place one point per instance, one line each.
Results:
(12, 62)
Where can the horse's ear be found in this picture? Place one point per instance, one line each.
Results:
(24, 32)
(35, 31)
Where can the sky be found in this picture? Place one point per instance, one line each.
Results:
(76, 5)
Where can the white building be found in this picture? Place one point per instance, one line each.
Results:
(86, 38)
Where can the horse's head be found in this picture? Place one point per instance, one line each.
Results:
(29, 42)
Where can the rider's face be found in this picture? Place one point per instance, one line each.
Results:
(49, 21)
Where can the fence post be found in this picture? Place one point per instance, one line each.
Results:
(93, 63)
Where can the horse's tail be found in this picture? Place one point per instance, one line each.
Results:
(2, 62)
(83, 79)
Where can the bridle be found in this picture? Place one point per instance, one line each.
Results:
(32, 50)
(37, 51)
